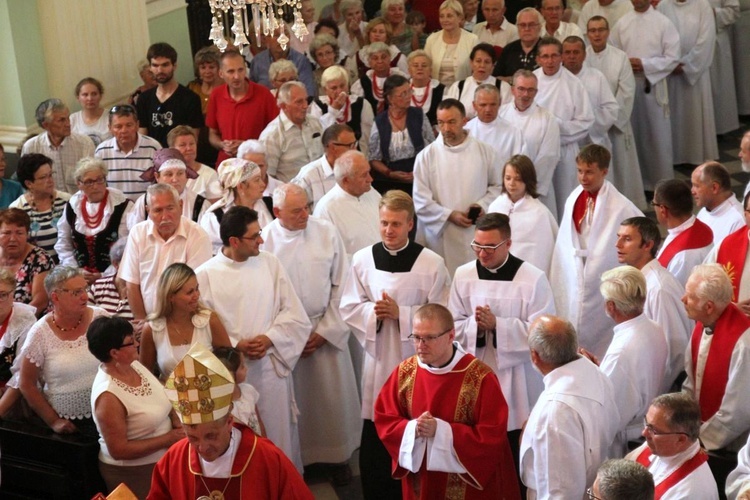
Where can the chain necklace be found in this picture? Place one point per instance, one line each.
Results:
(80, 320)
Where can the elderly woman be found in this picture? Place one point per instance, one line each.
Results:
(42, 202)
(399, 134)
(28, 263)
(377, 30)
(482, 61)
(10, 190)
(56, 353)
(144, 71)
(184, 139)
(370, 85)
(351, 31)
(179, 321)
(109, 292)
(94, 218)
(426, 92)
(243, 185)
(206, 64)
(337, 106)
(402, 36)
(170, 168)
(130, 408)
(280, 72)
(324, 50)
(16, 320)
(254, 151)
(332, 11)
(450, 47)
(91, 120)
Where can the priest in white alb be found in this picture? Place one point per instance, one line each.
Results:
(726, 13)
(314, 257)
(719, 208)
(625, 171)
(489, 128)
(611, 10)
(540, 130)
(690, 102)
(452, 176)
(251, 292)
(653, 46)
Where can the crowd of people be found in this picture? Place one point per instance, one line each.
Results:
(420, 236)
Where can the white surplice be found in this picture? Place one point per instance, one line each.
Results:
(255, 298)
(324, 383)
(569, 432)
(664, 306)
(690, 102)
(698, 484)
(724, 219)
(387, 343)
(603, 102)
(533, 229)
(635, 363)
(563, 95)
(738, 481)
(625, 171)
(541, 135)
(466, 95)
(505, 138)
(683, 262)
(576, 270)
(727, 428)
(515, 305)
(726, 13)
(448, 178)
(356, 218)
(741, 57)
(652, 38)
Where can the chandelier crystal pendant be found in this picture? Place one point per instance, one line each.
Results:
(266, 19)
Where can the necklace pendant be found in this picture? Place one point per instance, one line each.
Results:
(216, 495)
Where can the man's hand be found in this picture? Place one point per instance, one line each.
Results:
(485, 319)
(397, 175)
(680, 69)
(744, 306)
(459, 218)
(230, 147)
(255, 348)
(586, 354)
(426, 425)
(312, 345)
(636, 64)
(386, 308)
(91, 277)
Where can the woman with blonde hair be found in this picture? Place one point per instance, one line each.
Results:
(179, 321)
(91, 120)
(450, 47)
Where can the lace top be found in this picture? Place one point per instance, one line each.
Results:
(168, 355)
(66, 367)
(244, 409)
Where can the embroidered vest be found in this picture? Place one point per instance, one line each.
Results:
(92, 252)
(414, 119)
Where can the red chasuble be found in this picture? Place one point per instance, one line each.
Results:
(579, 208)
(260, 471)
(728, 329)
(469, 398)
(698, 235)
(683, 471)
(731, 256)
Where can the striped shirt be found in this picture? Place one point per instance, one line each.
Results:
(125, 169)
(43, 231)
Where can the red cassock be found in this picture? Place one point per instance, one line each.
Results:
(468, 398)
(260, 471)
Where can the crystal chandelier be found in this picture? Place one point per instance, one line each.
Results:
(266, 19)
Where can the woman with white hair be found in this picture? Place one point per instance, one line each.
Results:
(450, 47)
(324, 51)
(338, 106)
(94, 218)
(280, 72)
(351, 31)
(254, 151)
(402, 36)
(370, 85)
(109, 292)
(242, 182)
(377, 30)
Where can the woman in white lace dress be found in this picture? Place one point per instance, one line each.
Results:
(130, 408)
(56, 353)
(179, 321)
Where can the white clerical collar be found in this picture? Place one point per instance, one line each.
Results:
(395, 252)
(222, 466)
(675, 460)
(721, 207)
(457, 355)
(682, 227)
(495, 270)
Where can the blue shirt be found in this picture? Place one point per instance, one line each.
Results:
(261, 63)
(11, 190)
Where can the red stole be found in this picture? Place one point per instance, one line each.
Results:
(678, 475)
(731, 255)
(728, 329)
(698, 235)
(579, 207)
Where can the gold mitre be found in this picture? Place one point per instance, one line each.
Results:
(200, 387)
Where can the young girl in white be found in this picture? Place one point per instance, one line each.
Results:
(245, 397)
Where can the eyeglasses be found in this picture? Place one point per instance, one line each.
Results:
(651, 430)
(43, 177)
(75, 292)
(487, 248)
(6, 295)
(128, 344)
(654, 204)
(347, 145)
(428, 339)
(254, 237)
(527, 26)
(525, 90)
(590, 495)
(93, 182)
